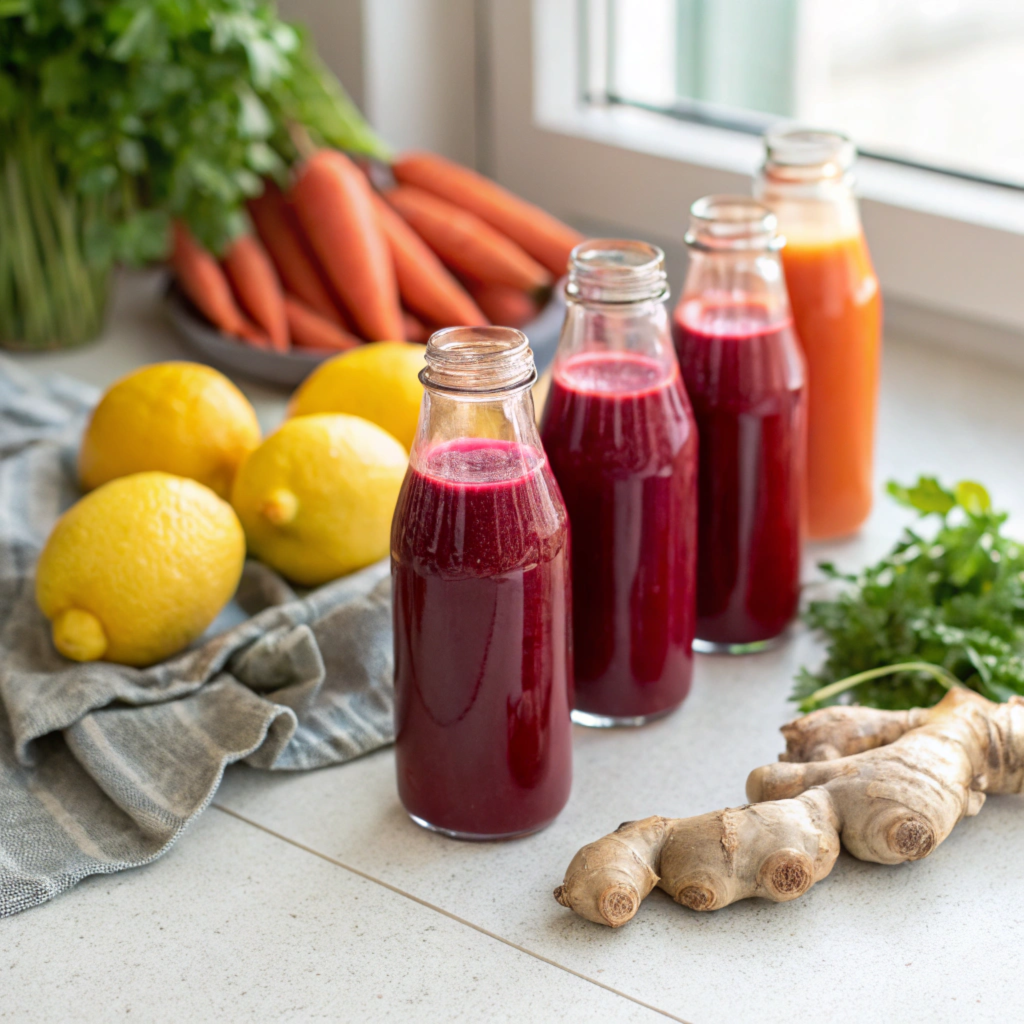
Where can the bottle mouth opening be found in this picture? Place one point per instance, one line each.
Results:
(616, 270)
(796, 151)
(478, 360)
(725, 223)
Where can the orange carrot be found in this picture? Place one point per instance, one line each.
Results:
(424, 283)
(544, 237)
(279, 231)
(203, 281)
(310, 330)
(335, 208)
(257, 288)
(465, 242)
(506, 307)
(416, 329)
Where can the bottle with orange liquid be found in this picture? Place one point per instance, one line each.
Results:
(837, 311)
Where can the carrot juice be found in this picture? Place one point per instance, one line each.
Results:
(837, 314)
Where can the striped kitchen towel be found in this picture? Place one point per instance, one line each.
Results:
(102, 767)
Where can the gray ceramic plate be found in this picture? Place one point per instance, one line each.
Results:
(291, 368)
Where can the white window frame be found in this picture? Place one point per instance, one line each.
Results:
(949, 252)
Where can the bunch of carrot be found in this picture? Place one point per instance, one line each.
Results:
(333, 262)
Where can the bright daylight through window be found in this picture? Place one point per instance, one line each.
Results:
(938, 83)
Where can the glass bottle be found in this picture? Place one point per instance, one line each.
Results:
(745, 376)
(481, 599)
(619, 433)
(837, 310)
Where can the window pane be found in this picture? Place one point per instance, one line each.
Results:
(939, 82)
(642, 54)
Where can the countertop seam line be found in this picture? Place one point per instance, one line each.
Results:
(446, 913)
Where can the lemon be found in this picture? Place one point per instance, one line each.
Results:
(379, 382)
(540, 393)
(182, 418)
(317, 497)
(137, 569)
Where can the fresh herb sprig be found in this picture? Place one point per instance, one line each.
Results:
(947, 606)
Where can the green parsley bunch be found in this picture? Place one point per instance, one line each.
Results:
(117, 116)
(945, 606)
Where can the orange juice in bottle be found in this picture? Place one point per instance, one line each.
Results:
(837, 312)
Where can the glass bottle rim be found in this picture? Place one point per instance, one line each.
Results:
(616, 271)
(803, 152)
(478, 361)
(730, 223)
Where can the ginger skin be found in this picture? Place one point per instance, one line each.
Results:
(889, 785)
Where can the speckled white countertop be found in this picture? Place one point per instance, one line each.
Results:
(312, 897)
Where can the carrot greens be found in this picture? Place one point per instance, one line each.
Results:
(119, 116)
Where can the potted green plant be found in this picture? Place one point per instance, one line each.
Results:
(117, 116)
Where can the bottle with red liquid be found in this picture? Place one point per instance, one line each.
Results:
(480, 569)
(620, 435)
(746, 378)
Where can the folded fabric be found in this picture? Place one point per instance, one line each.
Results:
(102, 766)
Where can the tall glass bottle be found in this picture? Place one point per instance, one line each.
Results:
(620, 435)
(481, 599)
(837, 309)
(745, 375)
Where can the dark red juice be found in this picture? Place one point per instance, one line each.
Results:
(480, 571)
(745, 377)
(619, 433)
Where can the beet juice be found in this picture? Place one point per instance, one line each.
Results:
(619, 432)
(481, 599)
(745, 375)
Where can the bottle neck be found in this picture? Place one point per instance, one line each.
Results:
(811, 213)
(446, 418)
(741, 285)
(807, 181)
(616, 299)
(476, 386)
(478, 362)
(640, 328)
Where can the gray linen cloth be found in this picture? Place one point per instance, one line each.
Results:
(102, 767)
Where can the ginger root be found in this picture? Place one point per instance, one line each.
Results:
(889, 785)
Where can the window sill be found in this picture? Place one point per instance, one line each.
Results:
(944, 247)
(733, 152)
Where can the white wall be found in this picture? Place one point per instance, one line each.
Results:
(337, 29)
(411, 65)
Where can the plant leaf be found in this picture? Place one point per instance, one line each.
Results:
(953, 599)
(926, 496)
(253, 118)
(973, 497)
(143, 38)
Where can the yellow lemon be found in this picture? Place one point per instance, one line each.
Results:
(540, 393)
(137, 569)
(379, 382)
(317, 497)
(181, 418)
